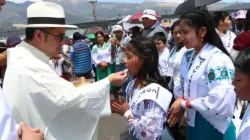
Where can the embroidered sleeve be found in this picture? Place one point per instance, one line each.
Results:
(94, 54)
(220, 100)
(150, 124)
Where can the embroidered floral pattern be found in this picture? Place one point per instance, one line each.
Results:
(149, 117)
(218, 73)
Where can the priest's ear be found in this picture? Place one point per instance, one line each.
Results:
(33, 34)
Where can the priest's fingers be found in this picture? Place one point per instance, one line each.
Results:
(35, 130)
(27, 134)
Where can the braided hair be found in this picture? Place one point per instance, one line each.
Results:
(200, 17)
(145, 49)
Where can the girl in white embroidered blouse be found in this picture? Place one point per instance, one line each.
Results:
(205, 91)
(147, 100)
(242, 84)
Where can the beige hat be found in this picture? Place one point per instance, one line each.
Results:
(149, 13)
(117, 28)
(45, 14)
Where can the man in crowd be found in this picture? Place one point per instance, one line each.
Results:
(37, 95)
(80, 55)
(150, 23)
(121, 42)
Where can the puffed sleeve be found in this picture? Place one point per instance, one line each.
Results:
(220, 100)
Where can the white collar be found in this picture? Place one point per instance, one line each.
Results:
(221, 34)
(36, 52)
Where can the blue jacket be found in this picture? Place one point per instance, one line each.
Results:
(80, 55)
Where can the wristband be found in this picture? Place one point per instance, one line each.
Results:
(186, 104)
(127, 113)
(183, 104)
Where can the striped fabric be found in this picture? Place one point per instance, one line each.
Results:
(80, 55)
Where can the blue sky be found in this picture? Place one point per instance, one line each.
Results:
(176, 1)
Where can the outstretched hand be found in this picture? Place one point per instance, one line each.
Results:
(119, 107)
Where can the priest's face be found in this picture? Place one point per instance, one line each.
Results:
(51, 41)
(242, 84)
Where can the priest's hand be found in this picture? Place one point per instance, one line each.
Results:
(120, 107)
(27, 133)
(117, 79)
(175, 112)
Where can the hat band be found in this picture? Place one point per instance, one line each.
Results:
(46, 20)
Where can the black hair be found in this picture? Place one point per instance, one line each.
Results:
(242, 61)
(29, 33)
(247, 21)
(106, 38)
(219, 16)
(77, 36)
(160, 36)
(200, 17)
(97, 33)
(145, 49)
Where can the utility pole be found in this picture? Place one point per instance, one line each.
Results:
(93, 2)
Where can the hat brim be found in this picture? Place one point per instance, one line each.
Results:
(116, 30)
(43, 26)
(240, 18)
(148, 16)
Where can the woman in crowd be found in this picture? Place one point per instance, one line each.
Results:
(205, 91)
(147, 100)
(177, 50)
(101, 56)
(242, 83)
(223, 24)
(176, 53)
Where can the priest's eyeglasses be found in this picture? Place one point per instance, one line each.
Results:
(60, 37)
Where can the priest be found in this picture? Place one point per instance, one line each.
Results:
(37, 95)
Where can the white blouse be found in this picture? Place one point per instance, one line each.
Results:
(227, 40)
(174, 64)
(207, 83)
(244, 133)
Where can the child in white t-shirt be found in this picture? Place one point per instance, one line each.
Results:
(161, 44)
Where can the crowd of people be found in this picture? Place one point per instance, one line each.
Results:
(194, 76)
